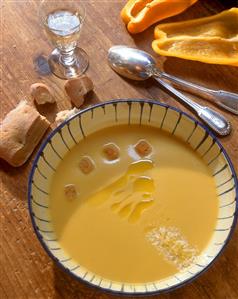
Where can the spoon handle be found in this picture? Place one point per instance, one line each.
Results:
(225, 99)
(213, 119)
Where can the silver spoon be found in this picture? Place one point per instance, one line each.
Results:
(141, 68)
(139, 65)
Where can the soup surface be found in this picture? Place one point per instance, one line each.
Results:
(134, 217)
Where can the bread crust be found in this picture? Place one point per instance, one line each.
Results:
(77, 88)
(41, 94)
(21, 131)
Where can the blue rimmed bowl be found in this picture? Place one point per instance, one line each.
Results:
(131, 111)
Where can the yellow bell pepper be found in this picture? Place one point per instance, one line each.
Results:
(138, 15)
(211, 40)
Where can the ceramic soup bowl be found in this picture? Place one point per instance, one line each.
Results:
(150, 113)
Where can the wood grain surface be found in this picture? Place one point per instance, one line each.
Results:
(25, 270)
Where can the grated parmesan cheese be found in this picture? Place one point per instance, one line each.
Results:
(173, 246)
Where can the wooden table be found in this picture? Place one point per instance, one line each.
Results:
(26, 271)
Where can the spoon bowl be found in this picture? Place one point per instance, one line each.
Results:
(131, 63)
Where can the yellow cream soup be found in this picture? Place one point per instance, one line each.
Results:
(134, 219)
